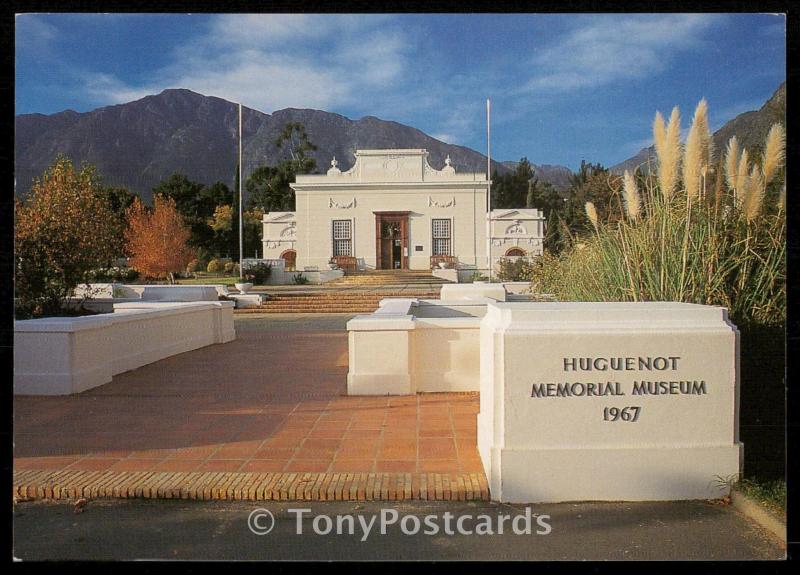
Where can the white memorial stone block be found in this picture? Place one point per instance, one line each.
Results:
(476, 290)
(608, 401)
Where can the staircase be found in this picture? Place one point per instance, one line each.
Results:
(389, 278)
(348, 301)
(355, 292)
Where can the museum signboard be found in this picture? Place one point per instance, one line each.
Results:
(608, 401)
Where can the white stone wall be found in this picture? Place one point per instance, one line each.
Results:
(65, 355)
(409, 346)
(398, 181)
(523, 229)
(390, 181)
(278, 234)
(541, 446)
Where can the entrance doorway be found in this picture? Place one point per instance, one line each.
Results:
(290, 258)
(391, 240)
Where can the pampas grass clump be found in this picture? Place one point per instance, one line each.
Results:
(679, 244)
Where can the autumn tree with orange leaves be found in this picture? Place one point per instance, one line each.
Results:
(63, 228)
(157, 239)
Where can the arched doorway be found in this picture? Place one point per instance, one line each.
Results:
(515, 252)
(289, 257)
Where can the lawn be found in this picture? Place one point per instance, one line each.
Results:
(771, 494)
(202, 278)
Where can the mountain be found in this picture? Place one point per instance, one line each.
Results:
(139, 143)
(750, 128)
(559, 176)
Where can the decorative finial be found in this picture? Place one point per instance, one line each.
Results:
(448, 169)
(334, 171)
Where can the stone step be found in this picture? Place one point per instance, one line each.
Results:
(306, 310)
(355, 296)
(351, 298)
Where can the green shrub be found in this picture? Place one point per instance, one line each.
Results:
(518, 270)
(62, 229)
(214, 266)
(228, 267)
(260, 272)
(299, 279)
(111, 274)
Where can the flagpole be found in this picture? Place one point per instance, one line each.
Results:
(241, 223)
(489, 186)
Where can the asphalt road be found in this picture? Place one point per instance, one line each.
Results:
(145, 529)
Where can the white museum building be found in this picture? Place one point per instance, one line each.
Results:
(392, 210)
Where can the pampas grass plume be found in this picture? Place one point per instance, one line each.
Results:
(741, 171)
(774, 152)
(755, 193)
(731, 162)
(693, 155)
(591, 213)
(630, 193)
(669, 152)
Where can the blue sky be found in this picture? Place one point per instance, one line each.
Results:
(563, 87)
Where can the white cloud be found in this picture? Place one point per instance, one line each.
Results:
(32, 34)
(604, 49)
(108, 89)
(265, 61)
(269, 84)
(271, 30)
(447, 138)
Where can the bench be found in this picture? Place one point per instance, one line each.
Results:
(450, 261)
(346, 263)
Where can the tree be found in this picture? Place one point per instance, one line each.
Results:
(592, 183)
(184, 191)
(268, 186)
(511, 190)
(233, 244)
(119, 199)
(222, 224)
(158, 239)
(252, 231)
(196, 203)
(294, 137)
(63, 229)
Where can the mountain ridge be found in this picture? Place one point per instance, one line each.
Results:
(137, 144)
(750, 129)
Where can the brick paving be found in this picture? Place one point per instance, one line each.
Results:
(69, 484)
(271, 402)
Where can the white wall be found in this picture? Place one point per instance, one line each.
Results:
(551, 448)
(61, 356)
(409, 346)
(390, 181)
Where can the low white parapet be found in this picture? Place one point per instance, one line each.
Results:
(394, 352)
(448, 274)
(474, 290)
(243, 300)
(517, 288)
(150, 292)
(608, 401)
(179, 293)
(65, 355)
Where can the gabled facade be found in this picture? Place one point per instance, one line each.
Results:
(392, 210)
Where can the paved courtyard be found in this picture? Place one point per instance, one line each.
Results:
(274, 400)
